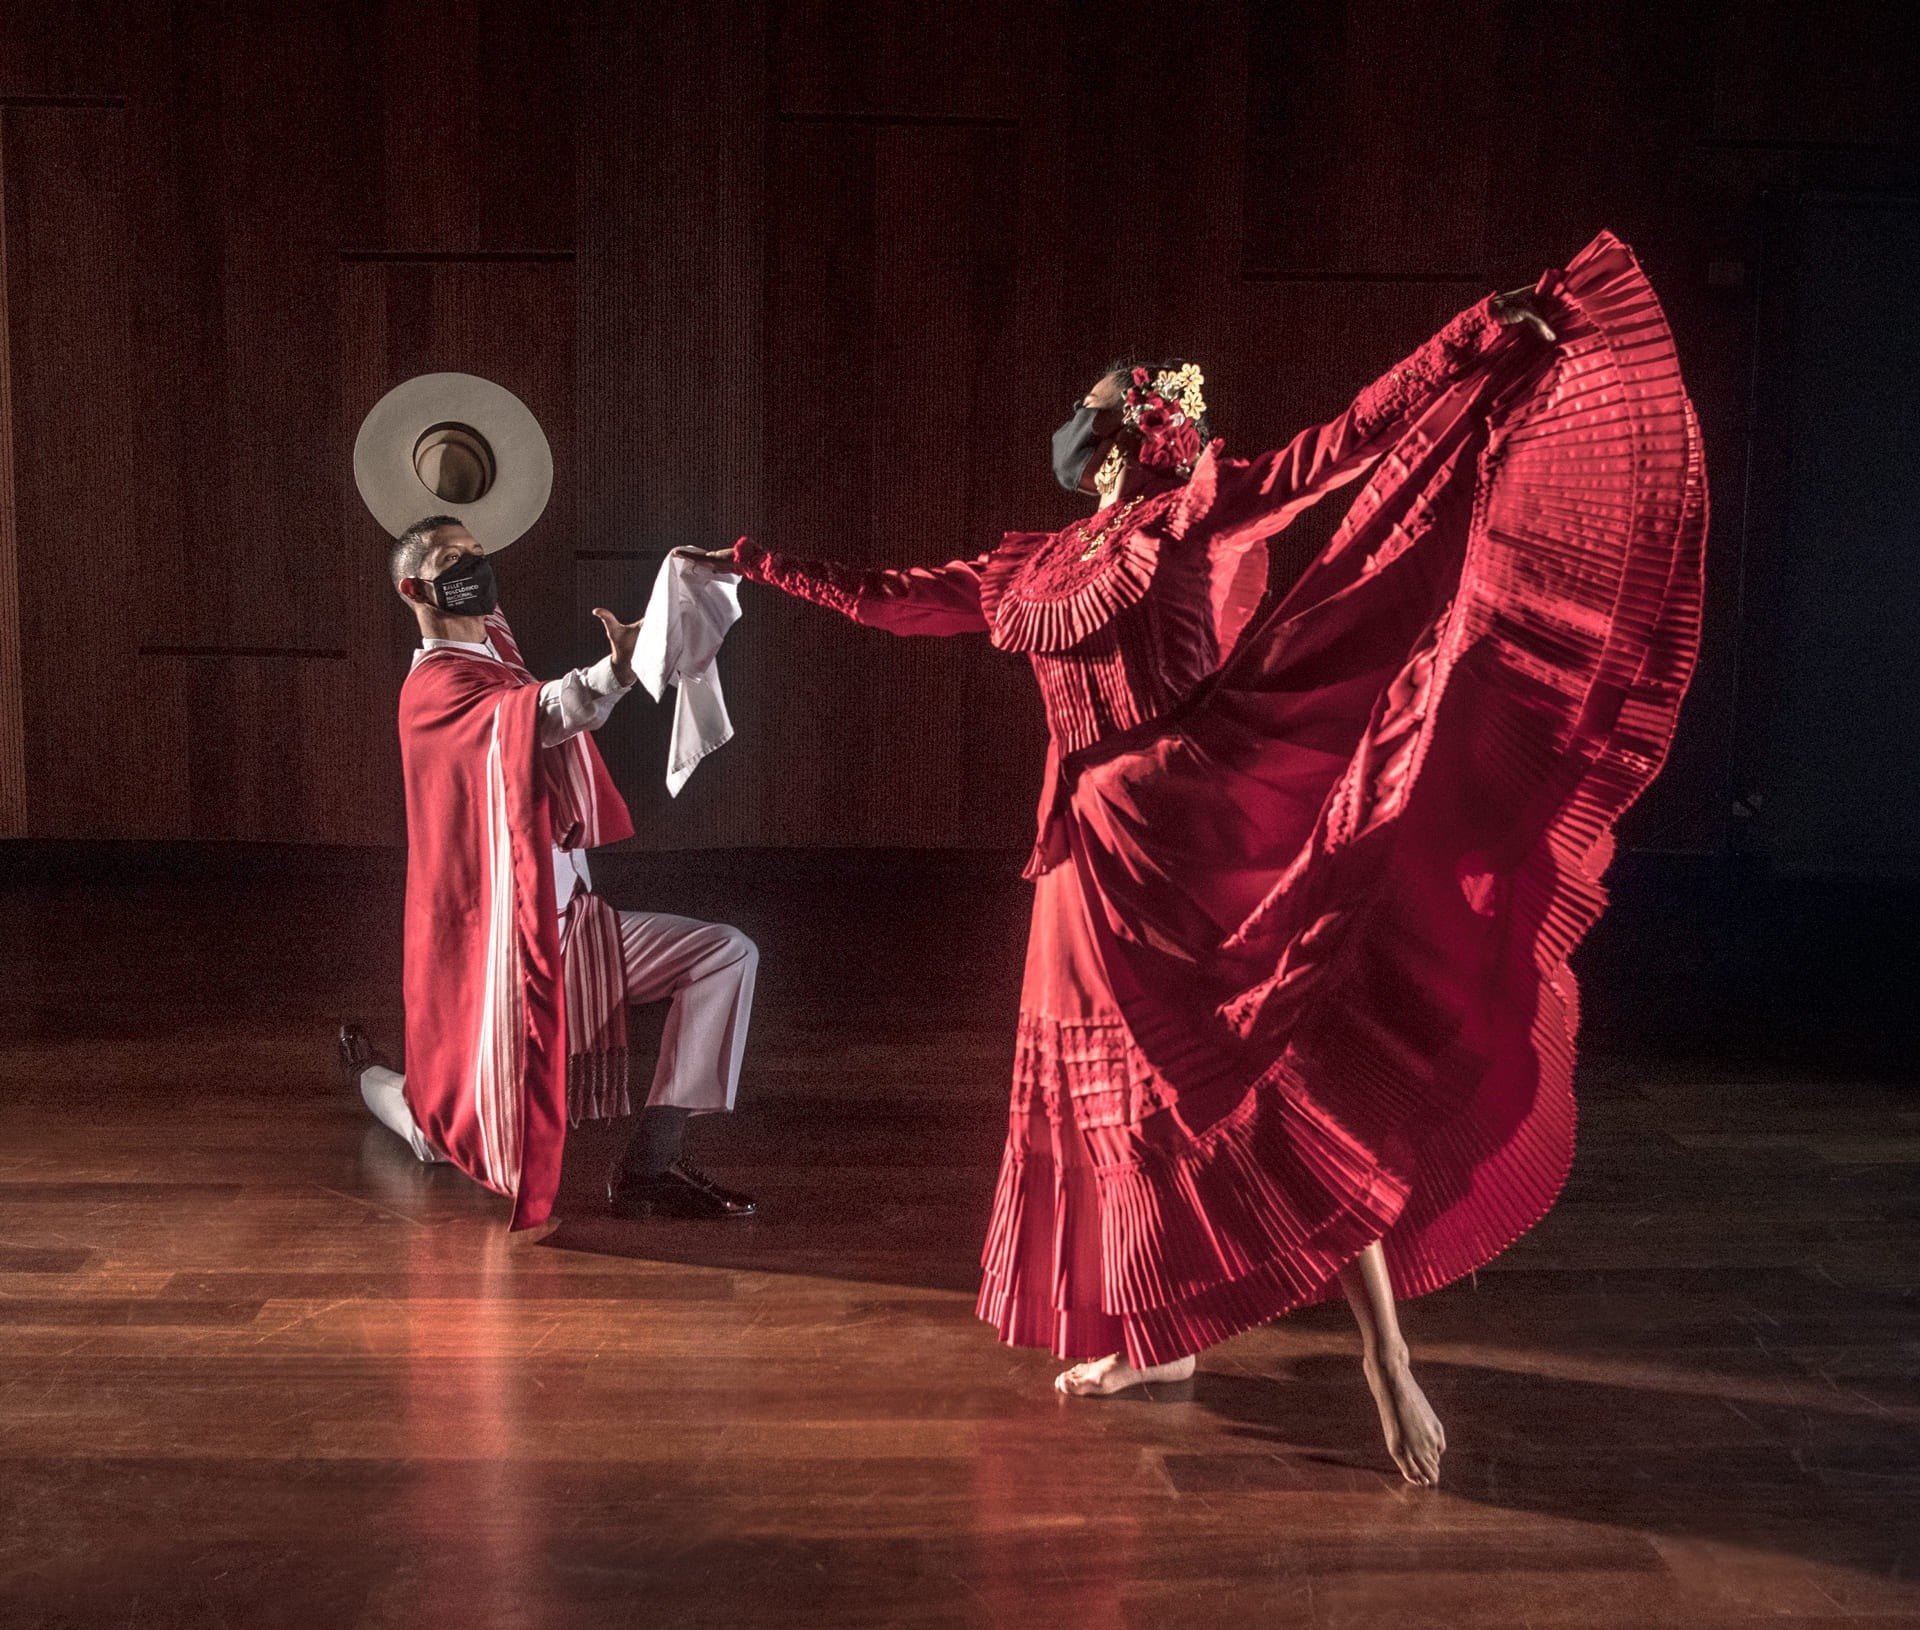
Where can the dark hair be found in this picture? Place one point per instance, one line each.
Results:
(410, 548)
(1124, 367)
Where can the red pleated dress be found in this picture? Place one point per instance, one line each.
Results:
(1305, 891)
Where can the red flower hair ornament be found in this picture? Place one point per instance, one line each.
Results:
(1162, 409)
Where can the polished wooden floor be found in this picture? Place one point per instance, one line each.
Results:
(259, 1368)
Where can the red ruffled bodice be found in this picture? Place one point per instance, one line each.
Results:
(1119, 629)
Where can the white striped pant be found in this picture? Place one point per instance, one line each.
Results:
(707, 971)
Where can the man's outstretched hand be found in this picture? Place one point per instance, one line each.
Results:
(621, 639)
(1517, 306)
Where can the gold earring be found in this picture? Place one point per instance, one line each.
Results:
(1107, 479)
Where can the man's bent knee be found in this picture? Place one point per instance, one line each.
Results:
(722, 949)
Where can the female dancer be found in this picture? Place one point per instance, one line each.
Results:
(1297, 1017)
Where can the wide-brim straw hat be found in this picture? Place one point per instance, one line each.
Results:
(454, 444)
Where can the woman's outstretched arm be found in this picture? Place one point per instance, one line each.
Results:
(902, 600)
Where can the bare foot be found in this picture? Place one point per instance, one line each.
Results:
(1414, 1435)
(1102, 1377)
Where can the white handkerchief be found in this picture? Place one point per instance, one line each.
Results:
(688, 616)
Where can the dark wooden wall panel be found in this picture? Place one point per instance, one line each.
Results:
(478, 112)
(13, 765)
(1151, 257)
(68, 48)
(936, 59)
(1844, 71)
(95, 758)
(807, 668)
(1367, 135)
(944, 470)
(892, 332)
(269, 103)
(828, 273)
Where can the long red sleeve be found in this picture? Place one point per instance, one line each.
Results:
(1260, 496)
(902, 600)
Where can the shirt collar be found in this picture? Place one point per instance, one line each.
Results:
(472, 648)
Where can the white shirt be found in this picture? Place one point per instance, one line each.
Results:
(582, 700)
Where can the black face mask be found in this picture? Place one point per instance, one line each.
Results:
(1074, 445)
(465, 589)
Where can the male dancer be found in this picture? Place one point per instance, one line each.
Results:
(517, 974)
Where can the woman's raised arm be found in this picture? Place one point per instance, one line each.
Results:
(1267, 492)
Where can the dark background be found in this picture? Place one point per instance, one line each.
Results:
(830, 272)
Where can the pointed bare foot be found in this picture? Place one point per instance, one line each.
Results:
(1414, 1435)
(1102, 1377)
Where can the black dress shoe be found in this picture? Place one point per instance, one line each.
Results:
(679, 1191)
(356, 1053)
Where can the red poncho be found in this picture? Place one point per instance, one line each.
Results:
(485, 981)
(1306, 890)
